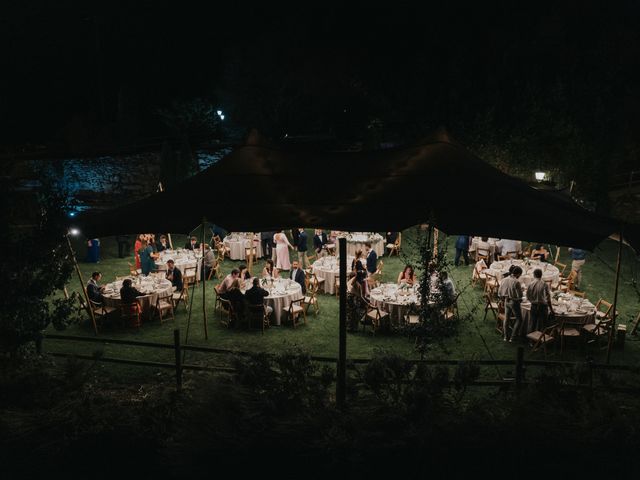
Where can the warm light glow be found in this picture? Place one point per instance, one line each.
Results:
(541, 176)
(219, 112)
(74, 232)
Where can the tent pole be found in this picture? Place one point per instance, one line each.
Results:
(251, 247)
(82, 285)
(615, 299)
(341, 384)
(204, 289)
(168, 234)
(435, 242)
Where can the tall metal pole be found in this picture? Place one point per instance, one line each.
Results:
(615, 299)
(82, 285)
(204, 289)
(341, 384)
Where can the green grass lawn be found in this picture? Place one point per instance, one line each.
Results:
(477, 339)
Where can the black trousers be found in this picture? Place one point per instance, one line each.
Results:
(266, 248)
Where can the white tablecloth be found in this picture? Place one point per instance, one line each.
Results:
(182, 259)
(356, 241)
(573, 310)
(282, 293)
(390, 298)
(237, 242)
(152, 287)
(328, 268)
(549, 272)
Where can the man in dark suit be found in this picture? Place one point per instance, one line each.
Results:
(302, 248)
(297, 274)
(319, 241)
(372, 259)
(192, 244)
(162, 244)
(94, 290)
(295, 234)
(174, 275)
(266, 238)
(255, 295)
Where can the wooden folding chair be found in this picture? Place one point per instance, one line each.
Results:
(576, 293)
(479, 275)
(603, 309)
(189, 276)
(395, 247)
(227, 313)
(164, 304)
(130, 314)
(567, 330)
(181, 296)
(542, 338)
(295, 310)
(311, 299)
(598, 330)
(100, 311)
(373, 317)
(561, 267)
(259, 313)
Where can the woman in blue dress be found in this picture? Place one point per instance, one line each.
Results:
(147, 261)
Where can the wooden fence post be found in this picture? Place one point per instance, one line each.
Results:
(176, 348)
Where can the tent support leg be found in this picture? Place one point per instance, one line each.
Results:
(615, 300)
(204, 289)
(82, 285)
(341, 383)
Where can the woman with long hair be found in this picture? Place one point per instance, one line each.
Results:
(282, 251)
(270, 270)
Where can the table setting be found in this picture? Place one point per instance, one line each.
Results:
(328, 268)
(567, 307)
(356, 241)
(152, 287)
(282, 291)
(549, 272)
(394, 299)
(182, 258)
(239, 241)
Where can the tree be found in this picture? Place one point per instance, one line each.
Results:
(36, 262)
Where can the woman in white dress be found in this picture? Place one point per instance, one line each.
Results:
(282, 251)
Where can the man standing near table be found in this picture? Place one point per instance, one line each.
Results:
(174, 275)
(462, 249)
(319, 241)
(539, 295)
(578, 259)
(298, 275)
(511, 292)
(372, 259)
(266, 239)
(302, 248)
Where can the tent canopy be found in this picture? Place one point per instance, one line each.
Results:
(262, 188)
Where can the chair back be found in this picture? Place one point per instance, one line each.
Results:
(604, 307)
(561, 267)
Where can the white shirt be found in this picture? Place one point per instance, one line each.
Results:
(505, 245)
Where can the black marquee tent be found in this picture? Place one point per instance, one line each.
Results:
(261, 188)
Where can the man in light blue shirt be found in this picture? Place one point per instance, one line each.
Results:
(578, 258)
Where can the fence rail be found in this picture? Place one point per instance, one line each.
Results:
(519, 364)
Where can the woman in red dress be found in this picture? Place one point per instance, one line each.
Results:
(136, 247)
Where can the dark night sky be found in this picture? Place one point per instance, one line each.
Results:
(95, 60)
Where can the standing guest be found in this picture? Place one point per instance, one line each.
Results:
(162, 244)
(128, 293)
(282, 251)
(93, 250)
(333, 236)
(319, 241)
(136, 249)
(94, 289)
(123, 246)
(174, 275)
(448, 289)
(270, 270)
(462, 249)
(151, 240)
(147, 262)
(298, 275)
(540, 253)
(210, 262)
(359, 271)
(295, 235)
(372, 258)
(539, 295)
(256, 295)
(302, 248)
(578, 259)
(407, 276)
(192, 244)
(227, 282)
(511, 292)
(266, 239)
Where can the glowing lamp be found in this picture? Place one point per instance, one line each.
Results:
(74, 232)
(541, 176)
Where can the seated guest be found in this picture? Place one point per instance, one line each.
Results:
(540, 253)
(256, 294)
(270, 270)
(505, 245)
(192, 244)
(236, 297)
(298, 275)
(174, 275)
(244, 272)
(448, 289)
(128, 292)
(94, 290)
(210, 261)
(407, 275)
(162, 244)
(224, 287)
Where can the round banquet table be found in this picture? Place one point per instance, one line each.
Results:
(389, 297)
(237, 242)
(356, 242)
(182, 259)
(281, 293)
(152, 287)
(492, 245)
(549, 272)
(328, 268)
(573, 310)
